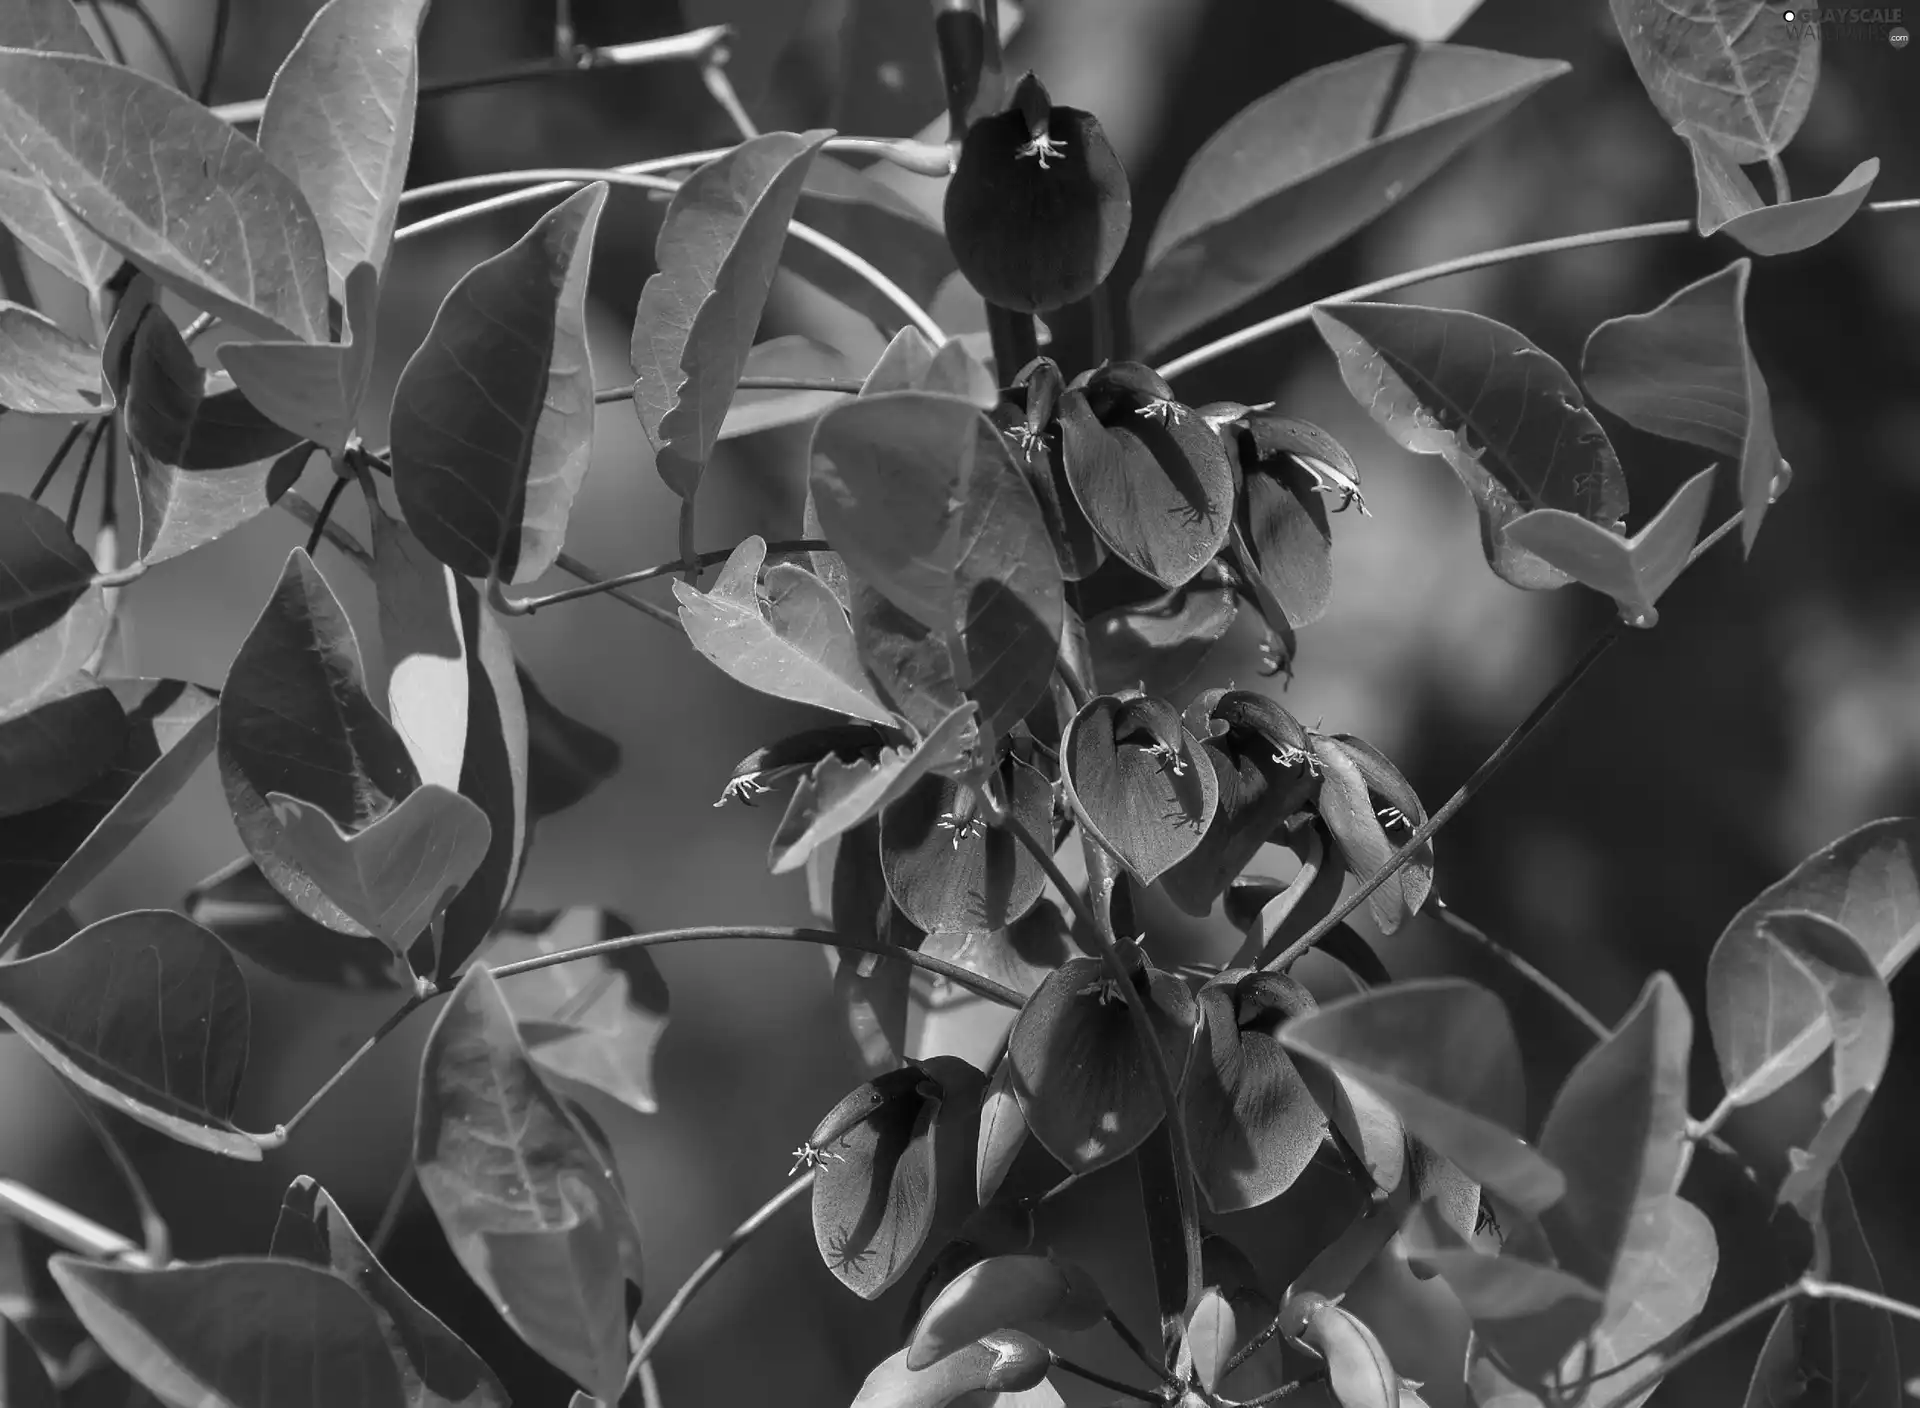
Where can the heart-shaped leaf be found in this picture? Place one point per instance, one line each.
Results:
(1686, 372)
(170, 186)
(1504, 414)
(1078, 1070)
(1252, 1123)
(947, 868)
(59, 744)
(1442, 1052)
(566, 759)
(793, 356)
(1281, 519)
(146, 1012)
(295, 718)
(314, 390)
(1159, 645)
(1297, 171)
(1742, 72)
(1004, 1293)
(247, 914)
(437, 1369)
(237, 1333)
(793, 641)
(949, 1017)
(44, 370)
(46, 571)
(493, 415)
(1139, 782)
(1768, 1018)
(48, 856)
(1634, 571)
(1005, 1364)
(529, 1205)
(339, 120)
(1729, 204)
(1617, 1129)
(1370, 811)
(716, 256)
(595, 1022)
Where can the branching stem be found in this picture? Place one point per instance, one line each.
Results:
(526, 606)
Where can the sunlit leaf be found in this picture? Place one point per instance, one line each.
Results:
(1659, 1285)
(146, 1012)
(1358, 1369)
(1728, 203)
(314, 390)
(1425, 20)
(1635, 571)
(44, 370)
(716, 255)
(1211, 1336)
(45, 570)
(1003, 1363)
(1297, 171)
(1139, 782)
(1003, 1133)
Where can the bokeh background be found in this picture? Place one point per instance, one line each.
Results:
(1776, 706)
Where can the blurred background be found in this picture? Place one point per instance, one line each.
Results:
(1776, 706)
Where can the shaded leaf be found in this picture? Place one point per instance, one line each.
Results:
(1297, 171)
(492, 421)
(146, 1012)
(1159, 645)
(1281, 518)
(1362, 795)
(244, 910)
(193, 203)
(241, 1332)
(1685, 371)
(58, 745)
(566, 759)
(1005, 1363)
(44, 370)
(314, 390)
(1504, 414)
(947, 868)
(58, 659)
(45, 570)
(753, 411)
(912, 664)
(1139, 782)
(1728, 203)
(219, 482)
(716, 255)
(1004, 1293)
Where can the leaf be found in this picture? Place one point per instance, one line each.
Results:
(1078, 1070)
(43, 571)
(919, 494)
(1210, 1337)
(314, 390)
(1659, 1285)
(794, 356)
(251, 917)
(146, 1012)
(1360, 791)
(220, 481)
(23, 1378)
(1504, 414)
(533, 1213)
(1728, 203)
(1252, 1123)
(50, 25)
(716, 255)
(1139, 782)
(339, 120)
(1358, 1369)
(437, 1369)
(1296, 172)
(1738, 69)
(398, 874)
(170, 186)
(566, 759)
(949, 870)
(1003, 1133)
(1428, 21)
(44, 370)
(1281, 520)
(492, 423)
(1158, 646)
(240, 1332)
(295, 718)
(1442, 1052)
(1867, 883)
(1685, 371)
(595, 1022)
(58, 745)
(42, 224)
(57, 660)
(1635, 571)
(912, 665)
(47, 857)
(794, 643)
(1004, 1293)
(1617, 1129)
(1006, 1362)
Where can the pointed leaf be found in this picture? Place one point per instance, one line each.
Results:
(44, 370)
(1299, 170)
(566, 759)
(1686, 372)
(1003, 1133)
(146, 1012)
(339, 120)
(314, 390)
(1004, 1364)
(45, 570)
(1442, 1052)
(794, 643)
(1211, 1337)
(37, 219)
(241, 1332)
(244, 910)
(1139, 782)
(533, 1213)
(1728, 203)
(1282, 518)
(717, 252)
(1504, 414)
(493, 416)
(1004, 1293)
(170, 186)
(437, 1369)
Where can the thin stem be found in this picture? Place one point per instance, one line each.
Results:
(1782, 193)
(1274, 1395)
(843, 385)
(295, 503)
(59, 458)
(86, 470)
(327, 505)
(216, 48)
(1140, 1352)
(689, 535)
(1252, 1346)
(1695, 1347)
(649, 1387)
(109, 499)
(952, 972)
(713, 73)
(1577, 1009)
(65, 1226)
(573, 567)
(115, 49)
(279, 1135)
(153, 1226)
(397, 1202)
(526, 606)
(1093, 1376)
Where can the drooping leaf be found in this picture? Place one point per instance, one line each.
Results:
(566, 759)
(240, 1332)
(947, 868)
(1081, 1078)
(1159, 645)
(1504, 414)
(57, 745)
(437, 1369)
(595, 1022)
(1370, 810)
(793, 642)
(1003, 1364)
(716, 255)
(1442, 1052)
(170, 186)
(146, 1012)
(295, 718)
(903, 365)
(790, 356)
(1281, 520)
(493, 416)
(314, 390)
(1634, 571)
(48, 856)
(44, 370)
(1686, 372)
(1004, 1293)
(1768, 1018)
(1139, 782)
(1739, 70)
(339, 120)
(533, 1212)
(246, 913)
(1729, 204)
(45, 570)
(1299, 170)
(220, 481)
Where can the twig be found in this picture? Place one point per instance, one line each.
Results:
(216, 48)
(713, 73)
(115, 49)
(153, 1226)
(1540, 980)
(86, 470)
(325, 515)
(65, 1226)
(573, 567)
(526, 606)
(689, 535)
(1093, 1376)
(278, 1136)
(1132, 1342)
(1782, 193)
(295, 503)
(396, 1204)
(59, 458)
(845, 386)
